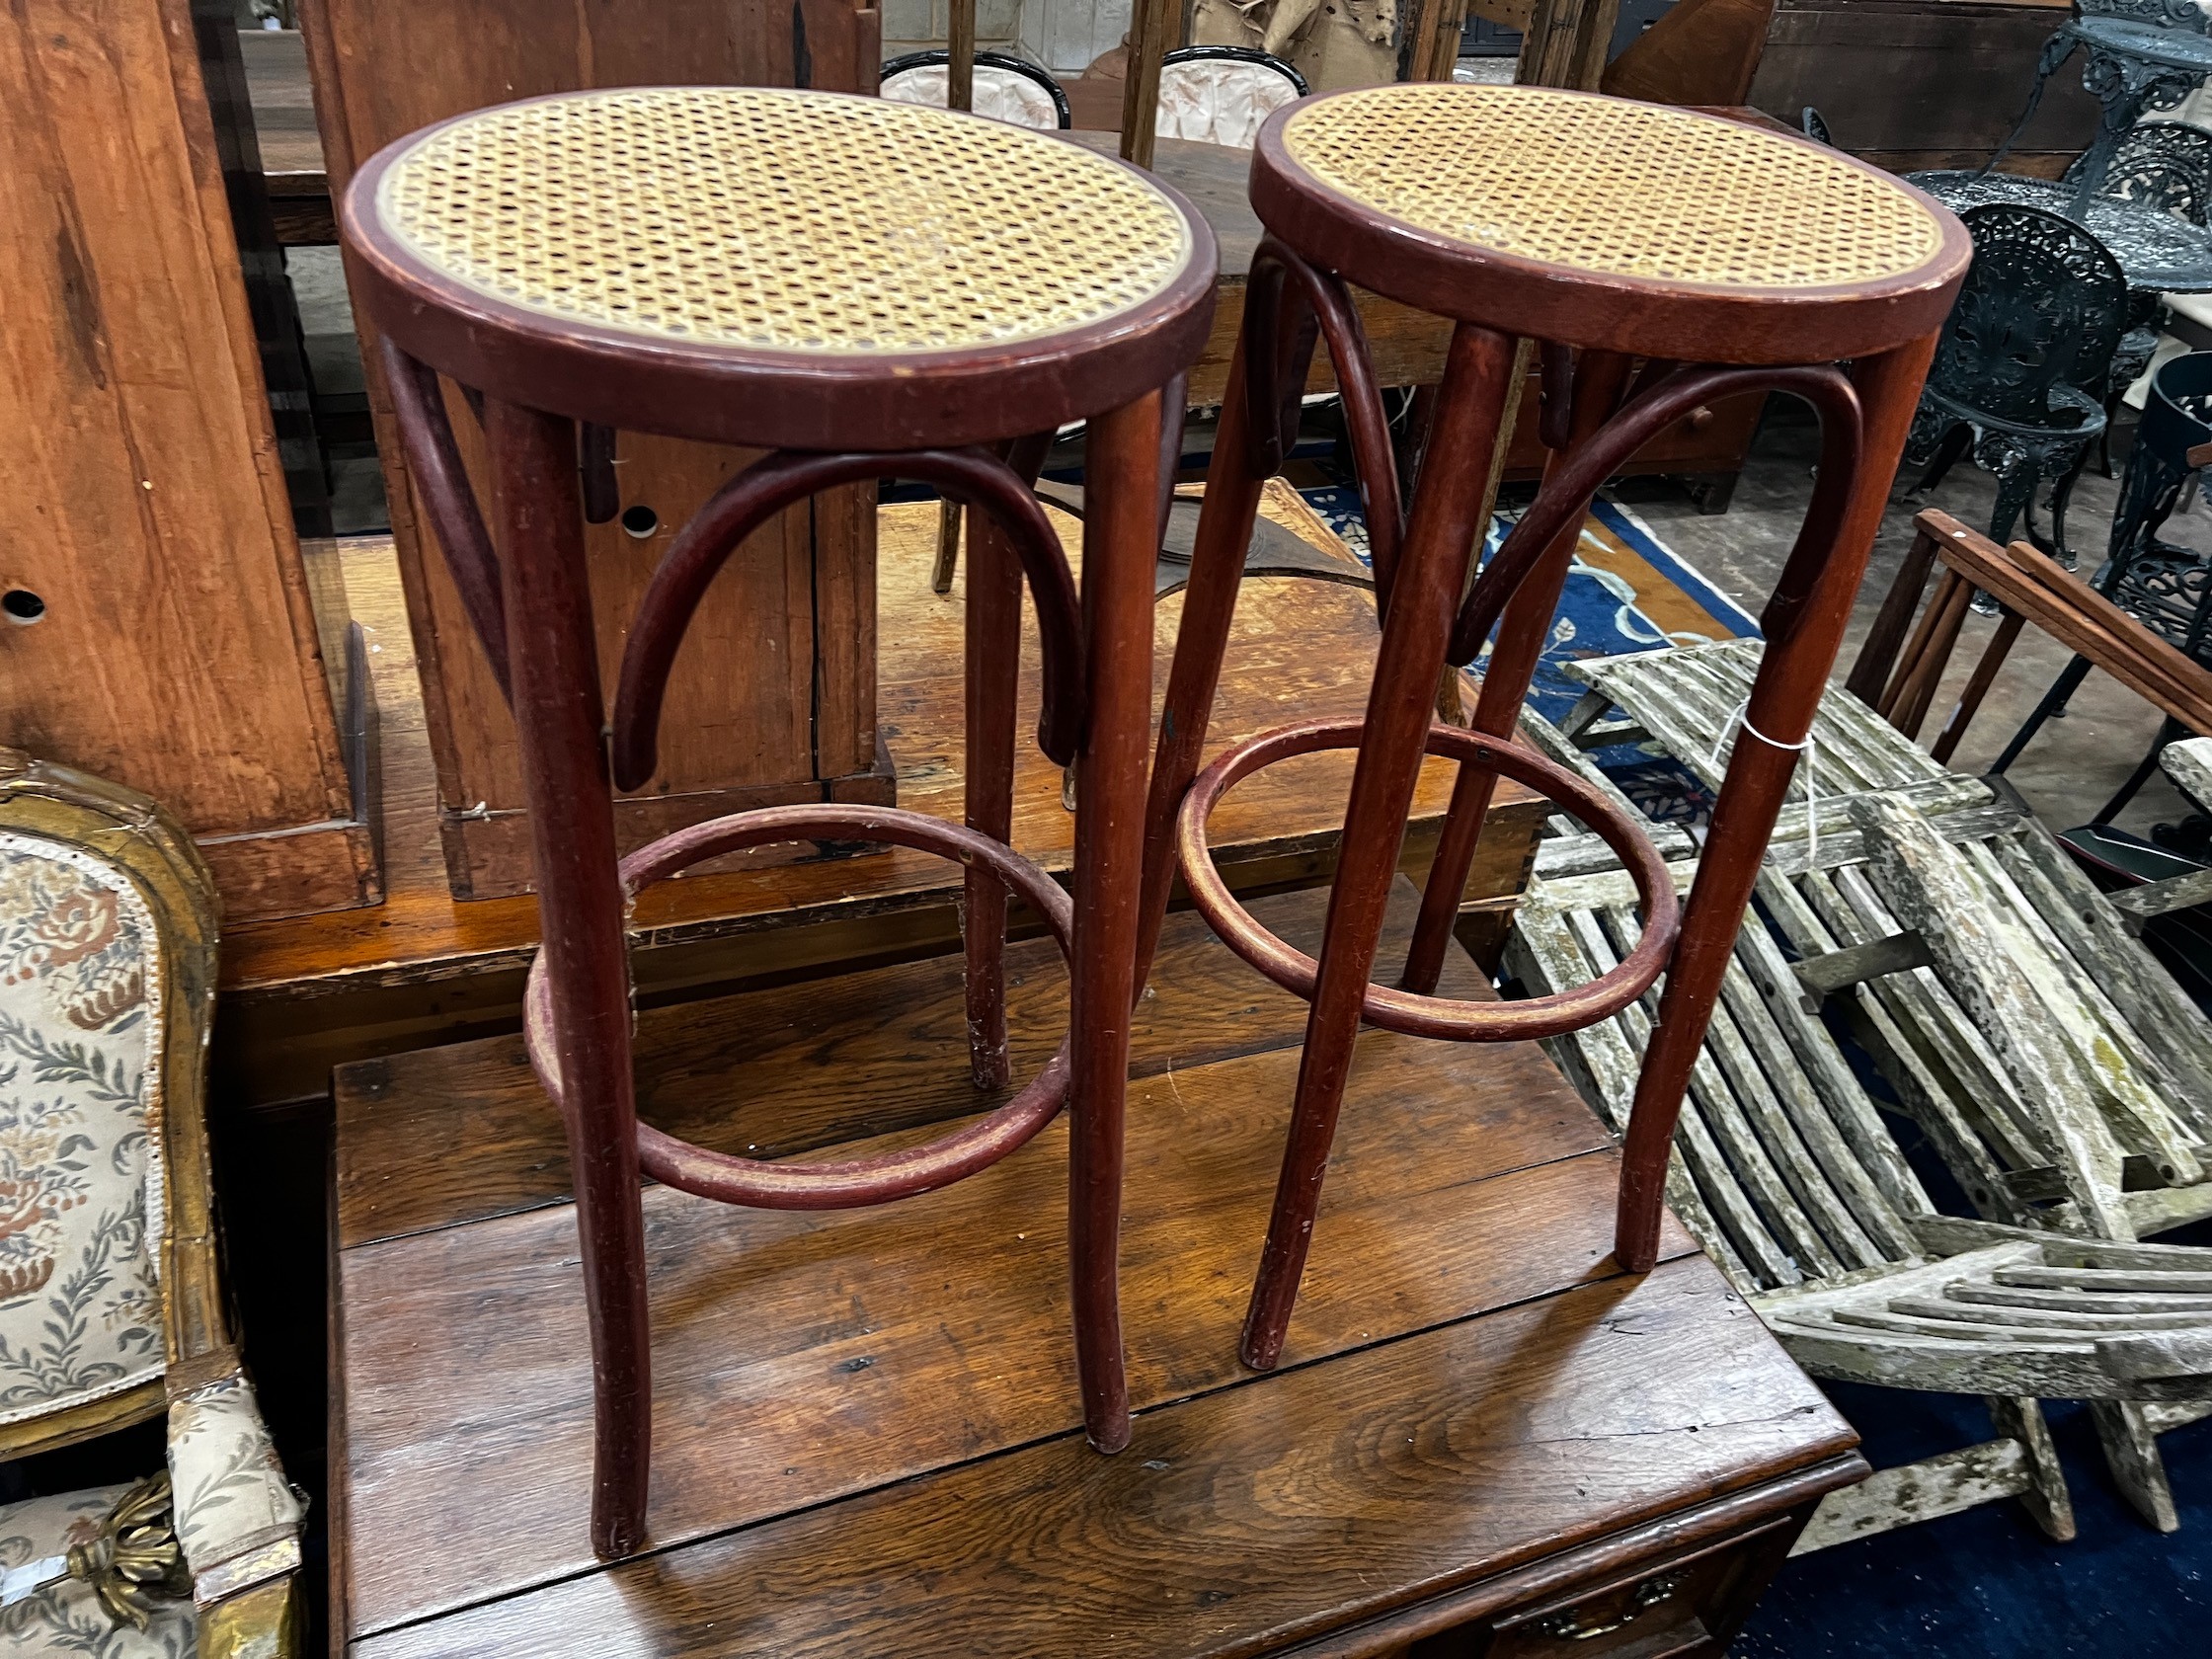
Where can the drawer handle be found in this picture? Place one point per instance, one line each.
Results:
(1568, 1625)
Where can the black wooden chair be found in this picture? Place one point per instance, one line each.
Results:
(2022, 371)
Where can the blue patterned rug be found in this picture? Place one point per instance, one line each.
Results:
(1628, 591)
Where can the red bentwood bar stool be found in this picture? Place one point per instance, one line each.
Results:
(865, 290)
(1659, 259)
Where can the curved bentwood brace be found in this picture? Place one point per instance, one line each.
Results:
(533, 618)
(1432, 616)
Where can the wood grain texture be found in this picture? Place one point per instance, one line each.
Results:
(816, 1062)
(1702, 51)
(790, 618)
(142, 498)
(1894, 77)
(1244, 1520)
(849, 1350)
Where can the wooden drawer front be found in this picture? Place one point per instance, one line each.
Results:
(1686, 1607)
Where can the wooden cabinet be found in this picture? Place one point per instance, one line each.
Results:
(1911, 84)
(773, 699)
(158, 626)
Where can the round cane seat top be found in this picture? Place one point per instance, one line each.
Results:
(1577, 191)
(752, 224)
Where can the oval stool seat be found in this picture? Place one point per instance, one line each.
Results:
(1596, 222)
(782, 267)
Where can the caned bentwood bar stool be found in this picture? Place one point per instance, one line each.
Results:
(864, 289)
(1658, 259)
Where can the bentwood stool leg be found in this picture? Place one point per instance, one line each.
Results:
(1417, 626)
(1805, 627)
(1120, 548)
(993, 670)
(1225, 519)
(558, 721)
(1599, 381)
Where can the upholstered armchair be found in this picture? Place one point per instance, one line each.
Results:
(111, 1299)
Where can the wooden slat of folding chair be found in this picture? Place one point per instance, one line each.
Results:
(1973, 1081)
(1984, 958)
(2133, 1083)
(1729, 1166)
(1601, 1063)
(2160, 1011)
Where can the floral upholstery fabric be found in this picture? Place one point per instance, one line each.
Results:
(65, 1619)
(237, 1517)
(80, 1164)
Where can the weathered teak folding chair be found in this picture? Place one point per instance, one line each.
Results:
(1927, 1044)
(1790, 1179)
(1688, 699)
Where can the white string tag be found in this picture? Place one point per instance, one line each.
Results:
(1741, 717)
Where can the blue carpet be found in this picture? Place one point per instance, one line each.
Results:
(1986, 1584)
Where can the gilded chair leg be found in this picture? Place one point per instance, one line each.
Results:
(1120, 551)
(554, 667)
(1424, 597)
(1786, 695)
(1524, 630)
(1224, 531)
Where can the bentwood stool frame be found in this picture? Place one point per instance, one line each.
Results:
(1659, 260)
(774, 270)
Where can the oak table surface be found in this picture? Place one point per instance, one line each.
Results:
(868, 1428)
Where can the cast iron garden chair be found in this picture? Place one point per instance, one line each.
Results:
(2022, 371)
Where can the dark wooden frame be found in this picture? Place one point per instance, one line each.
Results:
(1695, 342)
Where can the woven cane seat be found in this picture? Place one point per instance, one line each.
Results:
(1605, 222)
(750, 236)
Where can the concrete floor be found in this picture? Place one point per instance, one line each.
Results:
(2075, 764)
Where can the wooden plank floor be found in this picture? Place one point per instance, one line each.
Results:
(304, 993)
(867, 1434)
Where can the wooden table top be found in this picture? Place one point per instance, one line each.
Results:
(868, 1427)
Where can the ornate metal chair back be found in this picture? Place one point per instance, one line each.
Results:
(2043, 304)
(2157, 14)
(2167, 165)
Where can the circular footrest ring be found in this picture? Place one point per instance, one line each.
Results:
(852, 1183)
(1404, 1011)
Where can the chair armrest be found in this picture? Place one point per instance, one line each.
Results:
(267, 1622)
(237, 1517)
(2189, 765)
